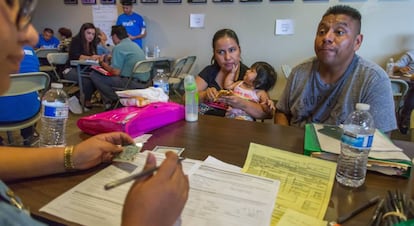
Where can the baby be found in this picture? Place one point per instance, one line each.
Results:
(259, 79)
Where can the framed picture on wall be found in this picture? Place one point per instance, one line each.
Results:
(70, 1)
(197, 1)
(171, 1)
(88, 2)
(222, 1)
(149, 1)
(108, 1)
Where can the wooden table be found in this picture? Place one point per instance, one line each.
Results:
(227, 140)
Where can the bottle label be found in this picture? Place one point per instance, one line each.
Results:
(164, 86)
(55, 112)
(357, 141)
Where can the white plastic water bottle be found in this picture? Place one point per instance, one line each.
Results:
(146, 52)
(161, 80)
(356, 142)
(191, 99)
(390, 67)
(157, 52)
(55, 110)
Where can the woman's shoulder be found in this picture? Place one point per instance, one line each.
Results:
(210, 70)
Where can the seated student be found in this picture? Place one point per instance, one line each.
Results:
(226, 55)
(165, 192)
(257, 81)
(83, 47)
(406, 63)
(22, 107)
(102, 47)
(47, 40)
(124, 57)
(65, 39)
(326, 88)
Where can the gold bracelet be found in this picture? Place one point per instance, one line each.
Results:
(68, 158)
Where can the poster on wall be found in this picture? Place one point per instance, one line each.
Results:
(90, 2)
(104, 16)
(70, 1)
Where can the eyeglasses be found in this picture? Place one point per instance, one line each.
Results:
(25, 14)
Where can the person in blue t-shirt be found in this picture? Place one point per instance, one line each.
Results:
(47, 40)
(133, 22)
(23, 107)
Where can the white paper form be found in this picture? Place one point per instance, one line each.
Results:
(89, 204)
(225, 197)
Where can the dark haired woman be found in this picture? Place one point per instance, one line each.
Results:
(226, 56)
(83, 47)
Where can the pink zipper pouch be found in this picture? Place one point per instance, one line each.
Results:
(132, 120)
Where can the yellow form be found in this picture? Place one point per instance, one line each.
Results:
(305, 182)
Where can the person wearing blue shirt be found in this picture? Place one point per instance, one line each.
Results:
(47, 40)
(133, 22)
(23, 107)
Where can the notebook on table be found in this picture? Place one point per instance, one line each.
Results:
(323, 141)
(101, 70)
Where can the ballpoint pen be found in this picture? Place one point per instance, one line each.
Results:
(377, 213)
(135, 176)
(371, 202)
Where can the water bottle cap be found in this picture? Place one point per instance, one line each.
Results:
(57, 85)
(362, 107)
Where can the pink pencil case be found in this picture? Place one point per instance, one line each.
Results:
(133, 120)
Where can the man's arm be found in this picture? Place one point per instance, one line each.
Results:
(280, 118)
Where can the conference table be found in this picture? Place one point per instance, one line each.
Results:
(228, 140)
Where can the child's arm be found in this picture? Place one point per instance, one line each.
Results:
(264, 99)
(229, 79)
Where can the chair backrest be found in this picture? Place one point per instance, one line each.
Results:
(42, 53)
(286, 69)
(55, 59)
(178, 67)
(143, 66)
(189, 63)
(399, 90)
(27, 82)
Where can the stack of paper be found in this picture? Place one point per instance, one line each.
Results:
(219, 195)
(323, 141)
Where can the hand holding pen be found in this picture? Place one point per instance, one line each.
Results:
(136, 176)
(157, 199)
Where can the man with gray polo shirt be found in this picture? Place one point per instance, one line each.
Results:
(326, 88)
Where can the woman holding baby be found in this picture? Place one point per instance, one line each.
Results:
(226, 56)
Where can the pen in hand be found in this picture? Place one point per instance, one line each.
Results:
(358, 210)
(135, 176)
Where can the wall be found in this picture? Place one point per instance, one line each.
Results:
(387, 27)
